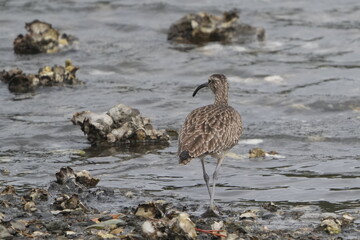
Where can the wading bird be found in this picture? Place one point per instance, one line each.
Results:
(210, 130)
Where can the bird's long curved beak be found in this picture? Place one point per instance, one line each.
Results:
(200, 87)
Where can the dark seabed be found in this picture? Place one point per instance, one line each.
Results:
(298, 93)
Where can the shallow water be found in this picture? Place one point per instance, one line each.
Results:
(298, 94)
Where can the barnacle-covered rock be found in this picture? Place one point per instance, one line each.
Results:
(331, 225)
(41, 38)
(66, 202)
(154, 209)
(165, 222)
(270, 206)
(8, 190)
(30, 206)
(37, 194)
(261, 153)
(80, 179)
(183, 226)
(83, 177)
(64, 175)
(204, 27)
(248, 215)
(20, 82)
(121, 124)
(256, 153)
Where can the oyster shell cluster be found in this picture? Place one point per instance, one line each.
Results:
(19, 82)
(41, 38)
(121, 124)
(203, 27)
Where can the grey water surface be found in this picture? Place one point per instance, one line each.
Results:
(298, 93)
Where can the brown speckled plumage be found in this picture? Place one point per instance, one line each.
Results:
(210, 130)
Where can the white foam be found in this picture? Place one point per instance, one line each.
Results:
(276, 79)
(254, 141)
(278, 156)
(211, 49)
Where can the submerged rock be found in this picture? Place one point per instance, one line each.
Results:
(121, 124)
(41, 38)
(19, 82)
(256, 153)
(204, 27)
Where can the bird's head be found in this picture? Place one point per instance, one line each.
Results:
(218, 85)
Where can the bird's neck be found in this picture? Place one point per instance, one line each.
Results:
(221, 98)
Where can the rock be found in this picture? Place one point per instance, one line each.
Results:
(30, 206)
(117, 231)
(183, 225)
(256, 153)
(41, 38)
(66, 202)
(18, 225)
(151, 210)
(71, 234)
(4, 172)
(4, 233)
(83, 177)
(129, 194)
(108, 225)
(249, 215)
(174, 135)
(65, 174)
(233, 236)
(121, 124)
(148, 229)
(37, 194)
(105, 235)
(270, 206)
(331, 225)
(8, 190)
(80, 179)
(217, 225)
(20, 82)
(347, 219)
(203, 27)
(38, 234)
(173, 225)
(57, 226)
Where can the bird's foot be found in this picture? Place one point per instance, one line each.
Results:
(212, 212)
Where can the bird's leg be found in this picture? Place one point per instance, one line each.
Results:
(215, 177)
(206, 176)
